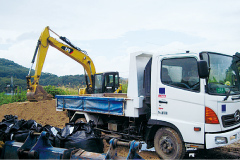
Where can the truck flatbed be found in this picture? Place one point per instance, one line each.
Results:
(100, 104)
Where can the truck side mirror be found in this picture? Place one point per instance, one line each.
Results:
(203, 69)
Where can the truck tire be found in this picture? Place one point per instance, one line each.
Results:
(168, 144)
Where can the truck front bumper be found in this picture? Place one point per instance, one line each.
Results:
(214, 140)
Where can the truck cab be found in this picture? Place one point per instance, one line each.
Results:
(204, 112)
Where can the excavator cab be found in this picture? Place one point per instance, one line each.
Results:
(106, 82)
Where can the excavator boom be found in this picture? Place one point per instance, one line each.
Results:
(35, 91)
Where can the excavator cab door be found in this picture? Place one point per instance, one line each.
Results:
(111, 82)
(97, 82)
(107, 82)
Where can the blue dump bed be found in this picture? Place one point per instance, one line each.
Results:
(104, 105)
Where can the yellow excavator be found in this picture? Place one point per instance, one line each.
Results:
(107, 82)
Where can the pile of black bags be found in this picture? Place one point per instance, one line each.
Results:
(73, 135)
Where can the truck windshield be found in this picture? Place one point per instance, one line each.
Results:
(224, 74)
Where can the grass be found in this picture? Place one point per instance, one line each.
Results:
(124, 88)
(22, 96)
(69, 91)
(18, 97)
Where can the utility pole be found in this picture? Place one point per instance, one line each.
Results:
(11, 86)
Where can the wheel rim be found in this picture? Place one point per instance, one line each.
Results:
(166, 145)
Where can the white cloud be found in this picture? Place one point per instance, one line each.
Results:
(202, 25)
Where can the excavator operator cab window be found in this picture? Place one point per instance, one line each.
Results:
(111, 82)
(98, 83)
(107, 82)
(116, 82)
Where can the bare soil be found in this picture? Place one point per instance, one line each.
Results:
(44, 112)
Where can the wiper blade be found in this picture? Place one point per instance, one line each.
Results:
(228, 94)
(236, 98)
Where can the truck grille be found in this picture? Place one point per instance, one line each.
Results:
(229, 120)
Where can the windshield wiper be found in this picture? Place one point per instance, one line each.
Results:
(236, 98)
(228, 94)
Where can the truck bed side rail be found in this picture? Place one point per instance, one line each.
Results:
(104, 105)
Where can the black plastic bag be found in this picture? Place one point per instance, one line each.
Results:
(13, 129)
(88, 142)
(20, 135)
(53, 131)
(5, 126)
(80, 135)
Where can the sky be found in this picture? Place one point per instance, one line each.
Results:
(110, 30)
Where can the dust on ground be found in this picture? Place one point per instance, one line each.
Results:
(44, 112)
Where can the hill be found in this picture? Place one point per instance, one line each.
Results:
(10, 69)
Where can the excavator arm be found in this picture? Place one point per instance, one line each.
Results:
(35, 91)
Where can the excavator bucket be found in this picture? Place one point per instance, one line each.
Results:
(39, 95)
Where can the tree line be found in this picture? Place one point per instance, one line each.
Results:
(10, 69)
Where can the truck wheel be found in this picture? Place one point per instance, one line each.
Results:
(168, 144)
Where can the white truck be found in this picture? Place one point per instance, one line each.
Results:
(175, 103)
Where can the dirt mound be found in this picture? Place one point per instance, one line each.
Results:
(43, 112)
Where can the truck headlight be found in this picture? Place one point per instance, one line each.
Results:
(221, 140)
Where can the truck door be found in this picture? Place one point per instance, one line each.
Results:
(179, 99)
